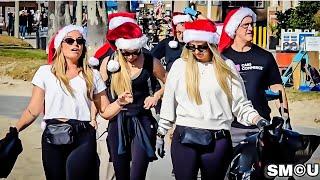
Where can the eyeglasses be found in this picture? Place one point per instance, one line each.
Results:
(246, 25)
(70, 41)
(126, 53)
(200, 48)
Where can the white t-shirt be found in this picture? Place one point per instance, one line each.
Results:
(59, 103)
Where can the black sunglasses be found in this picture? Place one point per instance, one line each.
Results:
(126, 53)
(201, 48)
(70, 41)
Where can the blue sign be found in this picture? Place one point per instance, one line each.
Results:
(302, 39)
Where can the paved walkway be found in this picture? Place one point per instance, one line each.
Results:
(32, 40)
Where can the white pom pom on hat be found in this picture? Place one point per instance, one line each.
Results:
(93, 61)
(173, 44)
(113, 66)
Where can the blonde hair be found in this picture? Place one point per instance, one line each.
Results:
(59, 69)
(221, 70)
(120, 81)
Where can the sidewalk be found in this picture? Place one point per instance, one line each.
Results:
(31, 39)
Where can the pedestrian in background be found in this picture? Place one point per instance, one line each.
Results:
(23, 21)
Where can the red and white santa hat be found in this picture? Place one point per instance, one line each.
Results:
(200, 30)
(57, 39)
(231, 24)
(99, 54)
(127, 36)
(178, 17)
(115, 20)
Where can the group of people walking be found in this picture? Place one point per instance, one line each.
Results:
(208, 83)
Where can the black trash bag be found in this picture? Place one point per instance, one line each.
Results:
(10, 148)
(272, 145)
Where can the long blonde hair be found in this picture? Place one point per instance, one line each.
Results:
(59, 69)
(221, 70)
(120, 81)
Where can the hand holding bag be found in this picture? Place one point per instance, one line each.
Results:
(10, 148)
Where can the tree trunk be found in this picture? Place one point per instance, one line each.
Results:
(52, 24)
(67, 14)
(16, 19)
(62, 14)
(96, 25)
(79, 13)
(123, 6)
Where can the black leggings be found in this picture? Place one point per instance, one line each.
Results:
(213, 163)
(76, 161)
(137, 154)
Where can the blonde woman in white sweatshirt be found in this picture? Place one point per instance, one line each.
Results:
(203, 94)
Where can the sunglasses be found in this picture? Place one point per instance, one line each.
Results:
(70, 41)
(126, 53)
(200, 48)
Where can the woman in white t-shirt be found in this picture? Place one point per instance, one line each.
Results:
(66, 89)
(202, 94)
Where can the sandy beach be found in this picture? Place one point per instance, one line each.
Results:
(29, 164)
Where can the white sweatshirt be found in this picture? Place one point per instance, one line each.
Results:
(215, 112)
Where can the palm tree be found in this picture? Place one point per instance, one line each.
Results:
(97, 20)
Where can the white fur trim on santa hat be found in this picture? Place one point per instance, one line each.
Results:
(135, 43)
(236, 19)
(118, 21)
(113, 66)
(181, 19)
(63, 33)
(93, 61)
(197, 35)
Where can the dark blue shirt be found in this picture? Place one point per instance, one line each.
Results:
(258, 70)
(164, 50)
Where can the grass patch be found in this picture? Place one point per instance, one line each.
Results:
(13, 42)
(296, 95)
(21, 63)
(23, 53)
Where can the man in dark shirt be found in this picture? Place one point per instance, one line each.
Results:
(256, 66)
(23, 24)
(171, 47)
